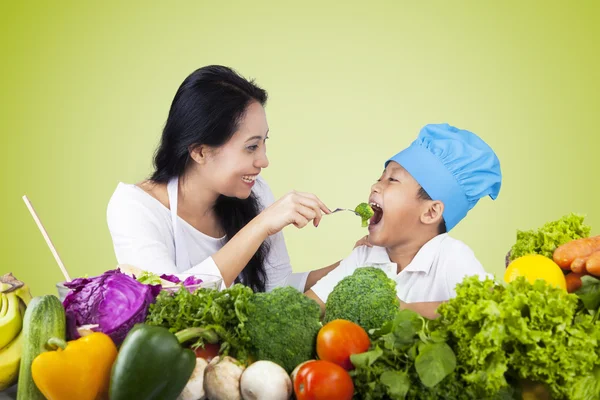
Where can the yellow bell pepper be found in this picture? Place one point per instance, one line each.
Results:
(79, 369)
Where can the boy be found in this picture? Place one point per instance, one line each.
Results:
(424, 191)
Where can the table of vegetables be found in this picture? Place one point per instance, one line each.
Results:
(127, 336)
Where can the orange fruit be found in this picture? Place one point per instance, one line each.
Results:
(534, 267)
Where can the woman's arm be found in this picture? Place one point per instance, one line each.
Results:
(237, 252)
(141, 237)
(317, 274)
(295, 208)
(278, 266)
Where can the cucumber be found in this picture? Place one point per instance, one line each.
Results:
(44, 318)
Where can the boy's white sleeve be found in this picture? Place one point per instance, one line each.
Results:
(346, 268)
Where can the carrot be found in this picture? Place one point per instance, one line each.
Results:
(566, 254)
(573, 281)
(593, 264)
(578, 265)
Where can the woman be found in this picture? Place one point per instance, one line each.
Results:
(205, 209)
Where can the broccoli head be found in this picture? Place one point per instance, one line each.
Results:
(365, 212)
(283, 327)
(367, 298)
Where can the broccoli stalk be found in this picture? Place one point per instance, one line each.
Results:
(367, 298)
(365, 212)
(283, 327)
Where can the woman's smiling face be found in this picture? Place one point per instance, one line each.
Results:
(232, 169)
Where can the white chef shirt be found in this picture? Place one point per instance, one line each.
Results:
(432, 275)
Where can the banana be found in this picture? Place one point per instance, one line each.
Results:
(3, 305)
(10, 356)
(14, 297)
(12, 321)
(8, 284)
(24, 294)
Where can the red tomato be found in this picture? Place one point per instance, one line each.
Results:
(339, 339)
(323, 380)
(208, 352)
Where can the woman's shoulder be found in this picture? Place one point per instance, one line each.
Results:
(132, 213)
(144, 196)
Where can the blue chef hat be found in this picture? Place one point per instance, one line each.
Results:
(454, 166)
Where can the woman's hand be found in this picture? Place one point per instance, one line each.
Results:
(364, 241)
(295, 208)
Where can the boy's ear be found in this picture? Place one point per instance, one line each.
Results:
(433, 214)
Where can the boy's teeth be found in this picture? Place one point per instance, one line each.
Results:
(374, 204)
(249, 178)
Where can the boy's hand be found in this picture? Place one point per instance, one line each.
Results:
(363, 242)
(427, 309)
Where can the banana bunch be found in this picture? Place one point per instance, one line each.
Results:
(14, 297)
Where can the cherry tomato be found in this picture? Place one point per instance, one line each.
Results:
(208, 352)
(339, 339)
(323, 380)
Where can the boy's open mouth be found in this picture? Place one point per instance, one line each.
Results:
(377, 213)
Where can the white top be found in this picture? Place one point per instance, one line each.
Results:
(433, 274)
(143, 236)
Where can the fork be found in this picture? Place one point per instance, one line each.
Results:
(344, 209)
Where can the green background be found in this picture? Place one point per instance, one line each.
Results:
(85, 90)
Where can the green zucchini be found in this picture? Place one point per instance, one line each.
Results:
(44, 319)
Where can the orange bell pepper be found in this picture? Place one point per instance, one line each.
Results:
(79, 369)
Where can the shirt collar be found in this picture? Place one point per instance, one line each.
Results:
(378, 255)
(423, 259)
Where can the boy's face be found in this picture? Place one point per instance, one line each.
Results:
(397, 207)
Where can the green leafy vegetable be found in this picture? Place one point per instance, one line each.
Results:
(503, 334)
(589, 292)
(365, 212)
(149, 278)
(553, 234)
(224, 312)
(491, 342)
(403, 359)
(434, 362)
(588, 387)
(397, 383)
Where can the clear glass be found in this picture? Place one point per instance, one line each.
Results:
(62, 290)
(208, 282)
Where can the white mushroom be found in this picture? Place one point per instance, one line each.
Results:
(222, 379)
(265, 380)
(194, 390)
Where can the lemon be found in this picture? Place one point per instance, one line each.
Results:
(534, 267)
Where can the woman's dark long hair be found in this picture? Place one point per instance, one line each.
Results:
(207, 109)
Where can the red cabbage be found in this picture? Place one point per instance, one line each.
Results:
(191, 280)
(170, 278)
(113, 300)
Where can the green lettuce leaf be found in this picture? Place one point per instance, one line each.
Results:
(149, 278)
(553, 234)
(520, 331)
